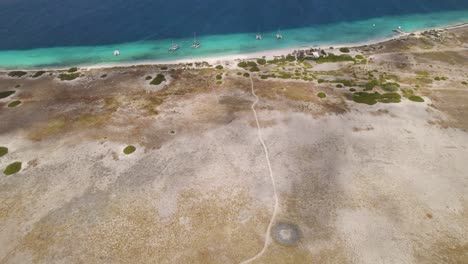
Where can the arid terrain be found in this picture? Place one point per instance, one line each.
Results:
(344, 176)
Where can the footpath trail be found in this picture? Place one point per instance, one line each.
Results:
(273, 183)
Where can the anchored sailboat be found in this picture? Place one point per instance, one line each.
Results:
(259, 37)
(279, 35)
(174, 47)
(196, 44)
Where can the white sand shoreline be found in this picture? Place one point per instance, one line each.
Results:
(227, 59)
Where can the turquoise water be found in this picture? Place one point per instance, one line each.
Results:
(226, 44)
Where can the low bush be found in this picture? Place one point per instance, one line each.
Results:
(373, 98)
(12, 168)
(129, 149)
(14, 103)
(3, 151)
(158, 79)
(148, 78)
(344, 50)
(261, 61)
(416, 98)
(17, 74)
(68, 76)
(6, 94)
(73, 69)
(219, 67)
(321, 95)
(246, 74)
(38, 73)
(219, 77)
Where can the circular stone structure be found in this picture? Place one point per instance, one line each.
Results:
(286, 234)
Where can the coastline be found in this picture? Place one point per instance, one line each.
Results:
(226, 59)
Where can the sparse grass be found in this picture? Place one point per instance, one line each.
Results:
(129, 149)
(73, 69)
(416, 98)
(373, 98)
(12, 168)
(3, 151)
(68, 76)
(14, 103)
(6, 94)
(321, 95)
(422, 73)
(38, 73)
(219, 67)
(17, 74)
(158, 79)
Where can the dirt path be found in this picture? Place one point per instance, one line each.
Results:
(273, 183)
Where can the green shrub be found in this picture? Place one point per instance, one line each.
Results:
(339, 86)
(158, 79)
(148, 78)
(352, 90)
(6, 94)
(242, 64)
(264, 76)
(252, 64)
(246, 74)
(12, 168)
(3, 151)
(370, 85)
(219, 67)
(416, 98)
(261, 61)
(219, 82)
(219, 77)
(104, 76)
(129, 149)
(320, 80)
(73, 69)
(163, 68)
(359, 57)
(38, 73)
(321, 95)
(437, 78)
(390, 87)
(17, 74)
(68, 76)
(290, 58)
(239, 73)
(254, 69)
(14, 103)
(464, 83)
(373, 98)
(344, 50)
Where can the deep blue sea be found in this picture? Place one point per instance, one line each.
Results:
(56, 33)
